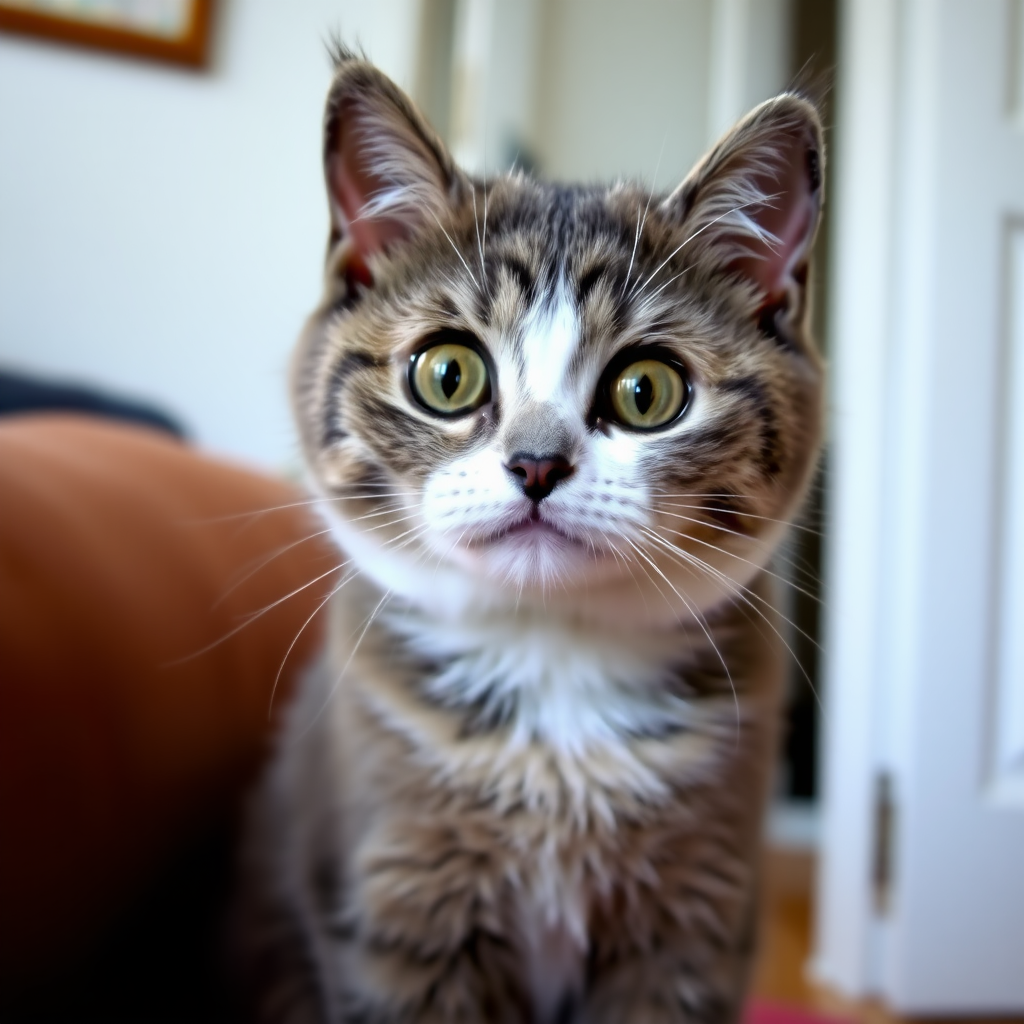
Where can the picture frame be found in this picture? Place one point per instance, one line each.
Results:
(175, 31)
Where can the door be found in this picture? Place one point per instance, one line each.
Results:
(922, 896)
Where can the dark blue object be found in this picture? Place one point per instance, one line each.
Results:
(21, 394)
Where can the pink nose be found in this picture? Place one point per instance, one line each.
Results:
(538, 476)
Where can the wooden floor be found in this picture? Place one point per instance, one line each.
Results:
(781, 976)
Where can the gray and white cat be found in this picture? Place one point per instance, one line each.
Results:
(558, 431)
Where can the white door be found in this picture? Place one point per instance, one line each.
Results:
(926, 610)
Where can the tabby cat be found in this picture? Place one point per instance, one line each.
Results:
(558, 432)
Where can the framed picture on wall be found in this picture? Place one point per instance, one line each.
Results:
(166, 30)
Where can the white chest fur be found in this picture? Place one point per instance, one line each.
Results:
(568, 685)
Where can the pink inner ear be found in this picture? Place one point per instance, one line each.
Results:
(790, 217)
(353, 186)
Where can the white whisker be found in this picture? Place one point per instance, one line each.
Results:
(704, 227)
(641, 222)
(699, 619)
(726, 578)
(295, 639)
(344, 669)
(479, 243)
(746, 595)
(743, 515)
(284, 549)
(632, 257)
(383, 512)
(483, 245)
(732, 554)
(256, 615)
(253, 513)
(462, 259)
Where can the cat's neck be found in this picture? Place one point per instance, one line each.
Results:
(563, 680)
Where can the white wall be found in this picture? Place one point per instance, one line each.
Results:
(587, 90)
(862, 166)
(622, 84)
(750, 57)
(162, 232)
(591, 90)
(495, 72)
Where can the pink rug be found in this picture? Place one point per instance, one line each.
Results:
(774, 1013)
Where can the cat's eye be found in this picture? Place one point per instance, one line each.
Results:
(648, 394)
(449, 378)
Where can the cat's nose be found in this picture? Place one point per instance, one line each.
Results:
(539, 475)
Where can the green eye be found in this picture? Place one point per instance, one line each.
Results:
(648, 394)
(449, 379)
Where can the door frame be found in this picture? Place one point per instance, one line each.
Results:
(863, 195)
(912, 585)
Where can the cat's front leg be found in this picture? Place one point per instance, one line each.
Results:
(683, 970)
(656, 991)
(427, 939)
(668, 989)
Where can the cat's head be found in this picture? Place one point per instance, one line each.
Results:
(518, 391)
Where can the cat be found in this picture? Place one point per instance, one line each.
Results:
(558, 432)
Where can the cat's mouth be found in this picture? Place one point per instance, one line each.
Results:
(532, 529)
(528, 528)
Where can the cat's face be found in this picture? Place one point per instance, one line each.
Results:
(515, 389)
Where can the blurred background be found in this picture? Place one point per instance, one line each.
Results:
(162, 228)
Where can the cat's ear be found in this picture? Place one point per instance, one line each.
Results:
(387, 173)
(753, 203)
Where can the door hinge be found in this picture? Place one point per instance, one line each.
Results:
(882, 856)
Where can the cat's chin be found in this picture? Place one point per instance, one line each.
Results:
(537, 554)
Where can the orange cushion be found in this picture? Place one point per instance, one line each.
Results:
(125, 556)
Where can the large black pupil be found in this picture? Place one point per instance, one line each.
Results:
(451, 377)
(643, 392)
